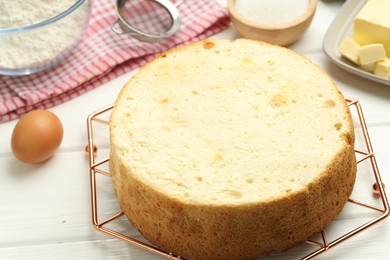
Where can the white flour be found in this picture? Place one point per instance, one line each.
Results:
(272, 12)
(38, 47)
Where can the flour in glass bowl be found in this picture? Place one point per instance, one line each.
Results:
(38, 47)
(272, 12)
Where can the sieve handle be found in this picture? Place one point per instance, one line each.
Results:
(116, 27)
(179, 2)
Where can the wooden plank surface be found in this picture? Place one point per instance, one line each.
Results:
(45, 209)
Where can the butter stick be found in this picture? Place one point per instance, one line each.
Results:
(372, 24)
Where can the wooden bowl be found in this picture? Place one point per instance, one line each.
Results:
(280, 34)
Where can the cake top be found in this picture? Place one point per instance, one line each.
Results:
(230, 122)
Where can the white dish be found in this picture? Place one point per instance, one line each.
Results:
(341, 27)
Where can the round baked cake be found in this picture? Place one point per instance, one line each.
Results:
(231, 150)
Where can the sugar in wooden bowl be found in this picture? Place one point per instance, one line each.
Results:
(279, 22)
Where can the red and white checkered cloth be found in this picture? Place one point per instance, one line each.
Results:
(103, 55)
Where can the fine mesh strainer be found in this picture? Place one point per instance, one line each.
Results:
(147, 20)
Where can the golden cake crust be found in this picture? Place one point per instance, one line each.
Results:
(246, 219)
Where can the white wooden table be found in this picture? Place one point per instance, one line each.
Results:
(45, 209)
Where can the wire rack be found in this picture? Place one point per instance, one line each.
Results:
(365, 155)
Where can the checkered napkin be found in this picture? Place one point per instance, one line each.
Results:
(103, 55)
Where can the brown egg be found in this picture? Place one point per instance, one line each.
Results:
(36, 136)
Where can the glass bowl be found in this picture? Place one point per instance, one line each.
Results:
(29, 49)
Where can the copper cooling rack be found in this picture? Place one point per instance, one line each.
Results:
(379, 207)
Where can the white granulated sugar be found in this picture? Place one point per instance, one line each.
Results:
(39, 46)
(272, 12)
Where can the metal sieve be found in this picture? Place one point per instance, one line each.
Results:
(147, 20)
